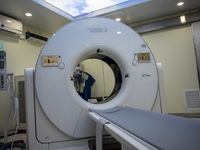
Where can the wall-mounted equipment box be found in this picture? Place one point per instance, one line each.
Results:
(10, 25)
(36, 38)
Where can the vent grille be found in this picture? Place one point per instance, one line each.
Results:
(20, 93)
(192, 99)
(21, 97)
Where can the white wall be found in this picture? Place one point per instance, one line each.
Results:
(175, 50)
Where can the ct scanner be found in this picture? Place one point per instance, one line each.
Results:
(57, 117)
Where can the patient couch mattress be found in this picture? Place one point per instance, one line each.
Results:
(165, 132)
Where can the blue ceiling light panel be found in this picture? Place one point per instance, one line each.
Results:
(77, 9)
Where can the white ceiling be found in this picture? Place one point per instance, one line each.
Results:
(50, 22)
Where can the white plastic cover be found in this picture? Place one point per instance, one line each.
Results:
(77, 41)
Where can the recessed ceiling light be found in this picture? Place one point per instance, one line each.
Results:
(118, 19)
(180, 3)
(28, 14)
(9, 21)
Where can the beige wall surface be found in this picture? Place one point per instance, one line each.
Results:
(103, 75)
(175, 50)
(20, 54)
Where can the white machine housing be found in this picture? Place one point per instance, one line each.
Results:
(60, 117)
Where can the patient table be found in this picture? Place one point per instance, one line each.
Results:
(148, 130)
